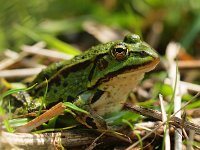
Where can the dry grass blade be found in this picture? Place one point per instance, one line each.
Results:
(187, 85)
(19, 72)
(166, 127)
(53, 112)
(190, 64)
(45, 52)
(14, 57)
(101, 32)
(10, 61)
(171, 54)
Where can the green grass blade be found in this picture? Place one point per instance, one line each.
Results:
(6, 121)
(59, 45)
(74, 107)
(43, 99)
(50, 40)
(53, 129)
(18, 122)
(12, 91)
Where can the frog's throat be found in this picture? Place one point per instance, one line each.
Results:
(117, 88)
(135, 68)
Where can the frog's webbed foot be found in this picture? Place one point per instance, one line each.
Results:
(91, 120)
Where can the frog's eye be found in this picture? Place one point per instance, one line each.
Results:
(119, 52)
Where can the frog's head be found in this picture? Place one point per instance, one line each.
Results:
(129, 55)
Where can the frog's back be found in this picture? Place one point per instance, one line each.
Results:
(55, 67)
(49, 71)
(67, 79)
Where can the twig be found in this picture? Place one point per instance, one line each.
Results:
(15, 57)
(157, 115)
(30, 63)
(11, 54)
(45, 52)
(19, 72)
(190, 64)
(187, 85)
(101, 32)
(93, 144)
(72, 138)
(54, 111)
(10, 61)
(177, 122)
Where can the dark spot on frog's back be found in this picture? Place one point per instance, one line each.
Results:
(41, 92)
(55, 90)
(74, 68)
(70, 98)
(57, 80)
(46, 76)
(60, 99)
(102, 64)
(65, 83)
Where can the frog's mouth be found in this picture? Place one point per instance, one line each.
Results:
(141, 68)
(135, 69)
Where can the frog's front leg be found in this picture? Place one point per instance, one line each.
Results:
(91, 120)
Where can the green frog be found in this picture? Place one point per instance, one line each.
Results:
(98, 80)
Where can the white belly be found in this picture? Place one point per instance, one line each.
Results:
(116, 92)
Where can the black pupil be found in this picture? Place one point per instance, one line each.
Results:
(119, 50)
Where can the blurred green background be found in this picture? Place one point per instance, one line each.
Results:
(157, 22)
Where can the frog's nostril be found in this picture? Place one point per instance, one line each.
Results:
(143, 54)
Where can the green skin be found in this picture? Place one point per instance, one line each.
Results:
(83, 80)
